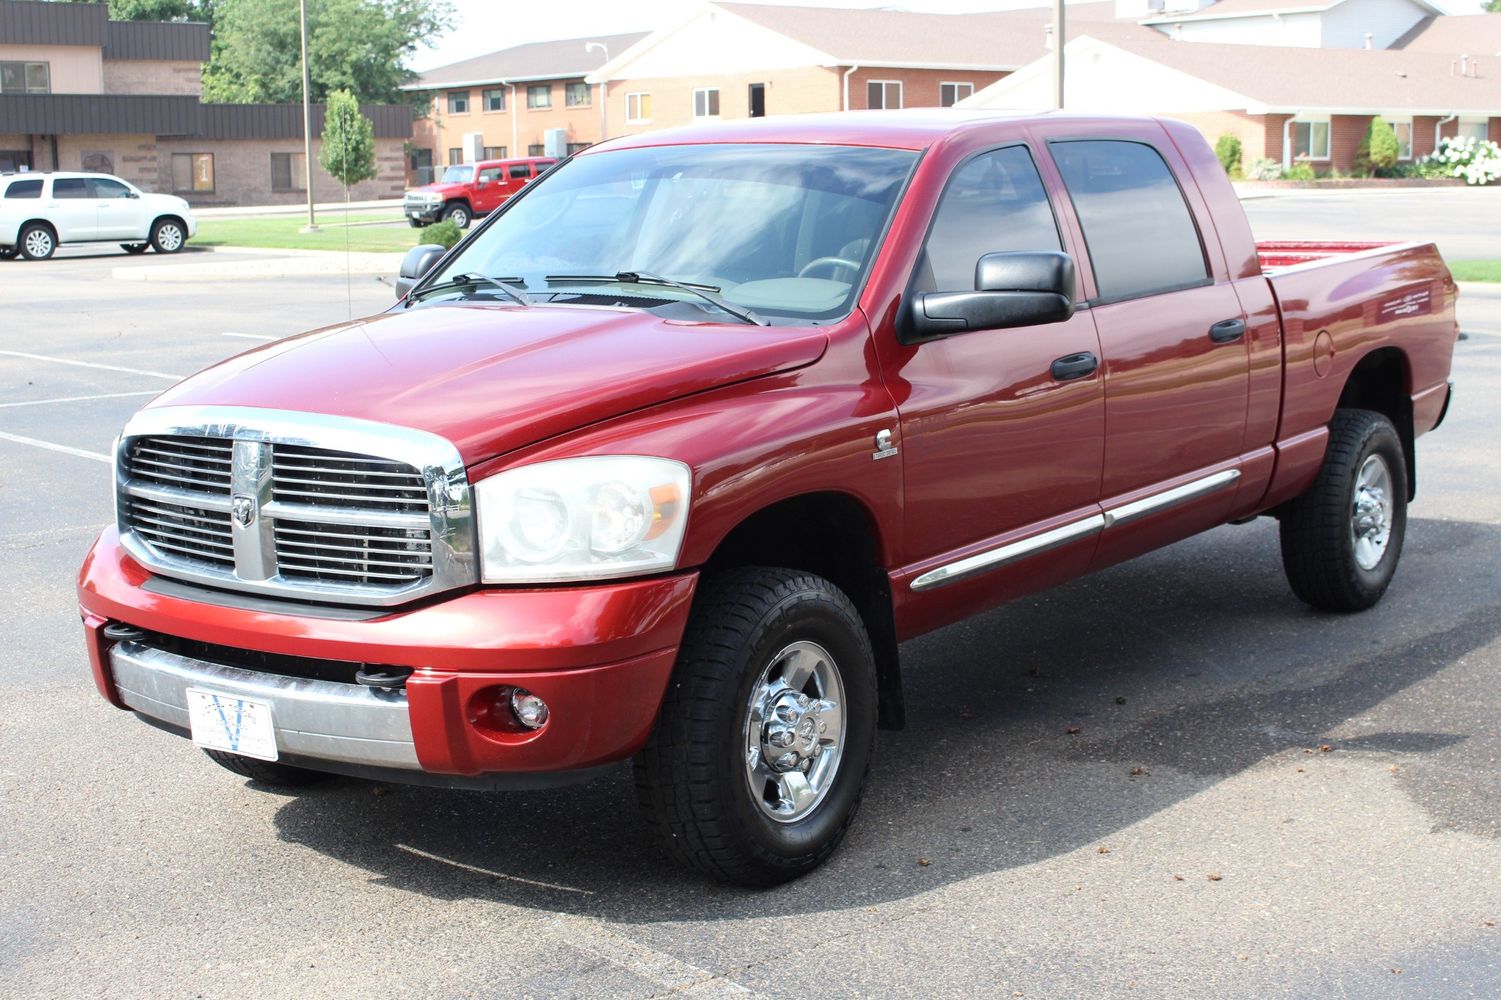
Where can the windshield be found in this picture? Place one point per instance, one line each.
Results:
(786, 230)
(457, 175)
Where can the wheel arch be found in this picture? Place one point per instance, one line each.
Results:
(1382, 381)
(833, 535)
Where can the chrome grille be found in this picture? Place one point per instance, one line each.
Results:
(330, 478)
(194, 463)
(258, 504)
(317, 551)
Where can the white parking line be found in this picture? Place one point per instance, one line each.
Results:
(18, 439)
(89, 364)
(249, 336)
(78, 399)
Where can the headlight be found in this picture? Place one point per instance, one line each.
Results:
(582, 519)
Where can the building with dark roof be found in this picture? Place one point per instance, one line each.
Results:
(81, 92)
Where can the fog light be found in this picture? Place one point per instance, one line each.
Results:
(530, 710)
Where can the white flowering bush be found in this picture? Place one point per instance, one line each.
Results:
(1264, 170)
(1477, 161)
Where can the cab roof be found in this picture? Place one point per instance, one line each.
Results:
(912, 128)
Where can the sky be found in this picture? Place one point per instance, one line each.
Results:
(488, 25)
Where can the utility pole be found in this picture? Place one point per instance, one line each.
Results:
(603, 135)
(307, 124)
(1059, 38)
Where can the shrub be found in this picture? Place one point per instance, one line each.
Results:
(1265, 170)
(348, 148)
(1379, 149)
(1227, 148)
(1476, 161)
(1299, 172)
(444, 233)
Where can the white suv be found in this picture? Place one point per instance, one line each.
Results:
(38, 211)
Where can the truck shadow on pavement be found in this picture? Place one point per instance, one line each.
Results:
(1178, 670)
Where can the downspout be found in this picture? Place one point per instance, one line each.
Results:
(847, 85)
(1287, 143)
(515, 115)
(1438, 128)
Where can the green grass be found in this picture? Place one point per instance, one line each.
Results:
(281, 233)
(1476, 270)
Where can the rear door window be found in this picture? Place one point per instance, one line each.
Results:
(71, 187)
(24, 189)
(994, 203)
(520, 171)
(1139, 231)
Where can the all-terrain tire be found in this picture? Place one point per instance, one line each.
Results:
(693, 778)
(1322, 530)
(267, 772)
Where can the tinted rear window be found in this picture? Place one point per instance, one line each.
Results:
(1140, 234)
(24, 189)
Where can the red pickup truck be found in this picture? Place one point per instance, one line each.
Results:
(468, 191)
(666, 459)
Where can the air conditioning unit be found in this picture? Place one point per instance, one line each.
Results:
(555, 142)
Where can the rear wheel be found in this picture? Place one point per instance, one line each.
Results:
(37, 241)
(459, 215)
(267, 772)
(134, 248)
(1342, 538)
(755, 768)
(168, 235)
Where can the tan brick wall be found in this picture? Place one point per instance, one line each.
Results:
(920, 87)
(133, 157)
(788, 92)
(242, 172)
(1346, 133)
(1422, 135)
(516, 128)
(147, 76)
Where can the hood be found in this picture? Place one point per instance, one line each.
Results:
(491, 379)
(439, 187)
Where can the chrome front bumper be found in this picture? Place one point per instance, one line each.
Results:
(318, 720)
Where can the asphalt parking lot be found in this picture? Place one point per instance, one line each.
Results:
(1261, 801)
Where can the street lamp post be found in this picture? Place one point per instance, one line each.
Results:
(590, 47)
(1059, 38)
(307, 123)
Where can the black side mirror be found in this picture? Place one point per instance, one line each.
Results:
(132, 194)
(1011, 289)
(418, 261)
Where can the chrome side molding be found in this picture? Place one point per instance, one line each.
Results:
(1051, 539)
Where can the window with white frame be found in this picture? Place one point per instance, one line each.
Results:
(950, 94)
(883, 94)
(1475, 128)
(25, 78)
(1310, 139)
(1403, 129)
(706, 102)
(638, 107)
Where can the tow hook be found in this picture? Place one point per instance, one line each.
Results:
(384, 678)
(121, 632)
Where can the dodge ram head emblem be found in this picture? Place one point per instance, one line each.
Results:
(243, 510)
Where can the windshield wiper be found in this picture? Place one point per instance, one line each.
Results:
(705, 292)
(474, 281)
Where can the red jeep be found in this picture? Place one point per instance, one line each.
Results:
(470, 190)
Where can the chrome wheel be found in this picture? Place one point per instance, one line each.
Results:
(168, 237)
(37, 244)
(1371, 512)
(794, 731)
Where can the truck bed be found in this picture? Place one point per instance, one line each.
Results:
(1281, 254)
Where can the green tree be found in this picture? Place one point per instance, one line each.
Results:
(159, 10)
(1379, 149)
(348, 151)
(1493, 7)
(1227, 149)
(356, 45)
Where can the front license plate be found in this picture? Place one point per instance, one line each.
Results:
(224, 722)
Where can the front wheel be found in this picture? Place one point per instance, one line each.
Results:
(1342, 538)
(755, 768)
(37, 242)
(458, 215)
(168, 236)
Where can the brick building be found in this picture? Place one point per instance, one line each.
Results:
(507, 103)
(1286, 104)
(81, 92)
